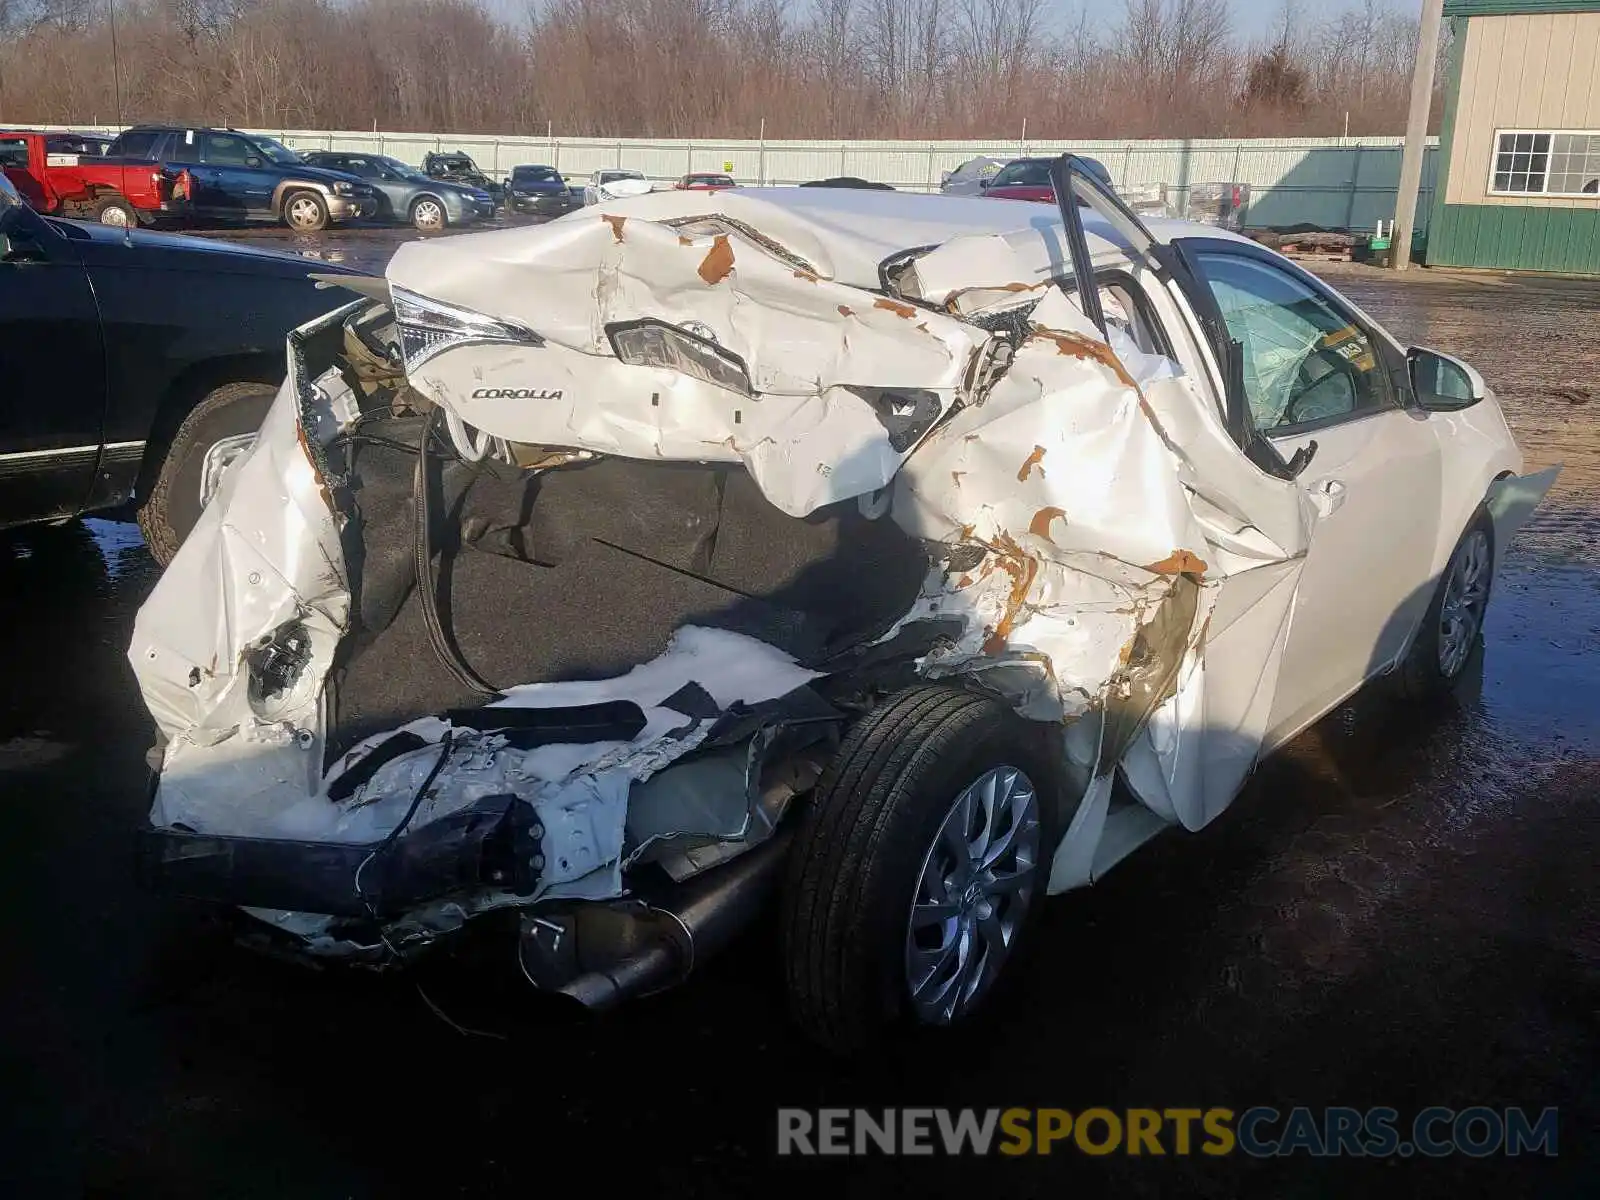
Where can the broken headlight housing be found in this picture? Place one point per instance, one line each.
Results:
(430, 327)
(657, 344)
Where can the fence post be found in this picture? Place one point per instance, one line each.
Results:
(841, 158)
(619, 154)
(1355, 183)
(930, 167)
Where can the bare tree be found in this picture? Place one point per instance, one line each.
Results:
(826, 68)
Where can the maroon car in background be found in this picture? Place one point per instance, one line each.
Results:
(705, 181)
(1029, 179)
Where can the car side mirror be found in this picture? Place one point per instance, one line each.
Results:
(984, 183)
(1442, 383)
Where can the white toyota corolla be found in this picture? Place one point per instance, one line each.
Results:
(904, 558)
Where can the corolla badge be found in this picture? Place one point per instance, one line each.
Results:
(516, 394)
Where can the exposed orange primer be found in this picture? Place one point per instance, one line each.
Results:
(1033, 460)
(845, 312)
(684, 241)
(964, 582)
(1022, 570)
(808, 276)
(718, 261)
(894, 306)
(1179, 562)
(1040, 525)
(305, 448)
(1076, 345)
(616, 224)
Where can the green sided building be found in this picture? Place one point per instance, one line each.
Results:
(1518, 184)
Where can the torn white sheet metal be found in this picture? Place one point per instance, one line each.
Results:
(805, 437)
(1123, 569)
(1511, 502)
(1096, 529)
(1071, 477)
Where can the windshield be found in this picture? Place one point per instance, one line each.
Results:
(613, 176)
(277, 152)
(403, 170)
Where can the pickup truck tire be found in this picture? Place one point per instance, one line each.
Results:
(428, 215)
(305, 212)
(860, 937)
(114, 210)
(174, 503)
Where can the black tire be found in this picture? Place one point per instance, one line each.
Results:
(1421, 675)
(305, 212)
(173, 506)
(862, 843)
(115, 211)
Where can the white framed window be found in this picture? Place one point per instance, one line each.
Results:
(1545, 162)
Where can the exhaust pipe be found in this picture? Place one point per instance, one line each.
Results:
(601, 955)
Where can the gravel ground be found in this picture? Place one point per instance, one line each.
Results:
(1400, 910)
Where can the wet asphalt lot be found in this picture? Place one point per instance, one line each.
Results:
(1401, 910)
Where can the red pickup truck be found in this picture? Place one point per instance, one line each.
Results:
(113, 191)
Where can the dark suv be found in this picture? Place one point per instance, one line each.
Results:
(246, 177)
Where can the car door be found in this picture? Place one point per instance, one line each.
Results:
(1319, 380)
(238, 180)
(53, 363)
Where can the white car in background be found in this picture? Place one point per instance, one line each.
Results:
(828, 543)
(615, 183)
(968, 179)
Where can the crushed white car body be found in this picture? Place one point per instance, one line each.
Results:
(716, 475)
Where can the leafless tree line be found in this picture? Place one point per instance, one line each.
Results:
(709, 68)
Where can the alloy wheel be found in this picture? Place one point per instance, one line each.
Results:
(972, 894)
(428, 216)
(1466, 596)
(304, 213)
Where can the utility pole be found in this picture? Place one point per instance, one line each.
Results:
(1416, 130)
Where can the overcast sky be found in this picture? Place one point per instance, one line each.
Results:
(1251, 18)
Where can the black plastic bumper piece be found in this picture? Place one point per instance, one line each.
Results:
(493, 843)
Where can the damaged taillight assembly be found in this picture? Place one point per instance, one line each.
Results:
(657, 344)
(430, 327)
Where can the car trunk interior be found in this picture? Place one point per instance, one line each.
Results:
(583, 571)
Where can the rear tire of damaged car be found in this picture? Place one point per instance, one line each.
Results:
(174, 504)
(305, 212)
(1452, 629)
(920, 866)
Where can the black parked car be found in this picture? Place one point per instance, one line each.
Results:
(457, 166)
(542, 191)
(135, 363)
(406, 194)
